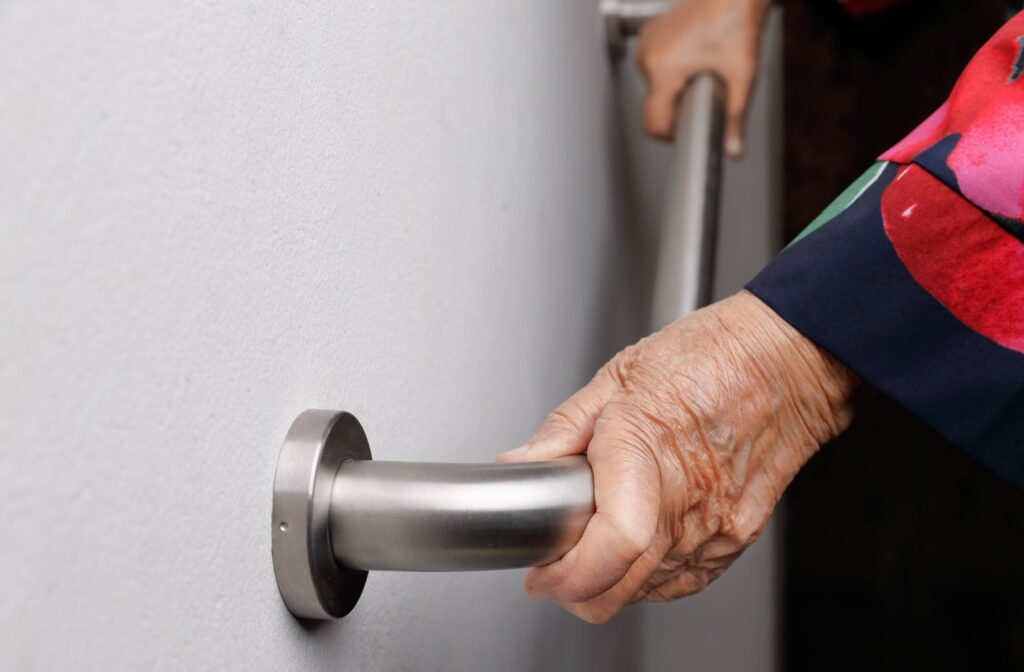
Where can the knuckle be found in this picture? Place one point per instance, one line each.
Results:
(665, 594)
(742, 530)
(565, 417)
(623, 366)
(690, 583)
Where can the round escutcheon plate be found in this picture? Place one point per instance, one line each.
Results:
(312, 583)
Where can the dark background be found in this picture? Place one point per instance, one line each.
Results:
(900, 552)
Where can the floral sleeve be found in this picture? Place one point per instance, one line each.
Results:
(914, 276)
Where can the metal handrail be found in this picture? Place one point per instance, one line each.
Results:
(430, 517)
(338, 514)
(687, 244)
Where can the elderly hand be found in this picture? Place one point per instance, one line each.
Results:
(693, 433)
(717, 35)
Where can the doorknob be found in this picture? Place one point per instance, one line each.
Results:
(338, 514)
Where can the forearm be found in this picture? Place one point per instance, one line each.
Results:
(914, 276)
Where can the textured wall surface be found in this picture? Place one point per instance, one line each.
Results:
(217, 214)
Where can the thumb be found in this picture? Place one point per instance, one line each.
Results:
(569, 428)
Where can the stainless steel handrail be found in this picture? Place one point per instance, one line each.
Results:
(686, 247)
(337, 513)
(429, 517)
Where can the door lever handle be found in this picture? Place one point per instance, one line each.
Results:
(338, 514)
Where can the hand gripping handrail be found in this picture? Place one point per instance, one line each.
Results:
(429, 517)
(337, 514)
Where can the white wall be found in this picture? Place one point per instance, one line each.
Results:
(214, 215)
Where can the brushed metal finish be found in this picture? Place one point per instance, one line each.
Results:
(686, 248)
(337, 514)
(310, 581)
(423, 517)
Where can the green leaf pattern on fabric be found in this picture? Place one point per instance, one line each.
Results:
(845, 199)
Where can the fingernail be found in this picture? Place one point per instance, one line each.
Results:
(734, 146)
(514, 453)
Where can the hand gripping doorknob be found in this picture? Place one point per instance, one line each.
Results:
(338, 514)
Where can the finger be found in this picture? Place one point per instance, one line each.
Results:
(627, 493)
(691, 580)
(738, 90)
(605, 606)
(681, 585)
(660, 107)
(569, 428)
(698, 525)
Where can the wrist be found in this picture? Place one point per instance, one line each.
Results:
(819, 386)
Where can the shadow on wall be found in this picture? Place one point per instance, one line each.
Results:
(566, 643)
(626, 287)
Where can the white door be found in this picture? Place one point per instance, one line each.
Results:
(214, 215)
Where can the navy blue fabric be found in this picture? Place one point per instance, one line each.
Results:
(844, 287)
(935, 160)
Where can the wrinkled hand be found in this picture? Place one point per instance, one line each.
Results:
(692, 434)
(718, 35)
